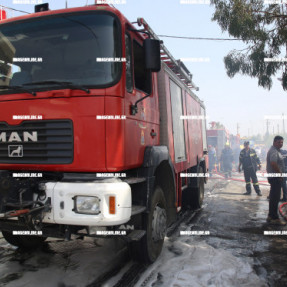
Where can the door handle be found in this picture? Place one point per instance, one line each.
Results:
(153, 133)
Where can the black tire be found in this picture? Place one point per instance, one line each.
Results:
(192, 197)
(12, 239)
(149, 247)
(197, 195)
(23, 241)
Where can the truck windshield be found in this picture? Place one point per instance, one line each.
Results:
(82, 49)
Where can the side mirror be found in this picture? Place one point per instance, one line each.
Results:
(152, 55)
(41, 7)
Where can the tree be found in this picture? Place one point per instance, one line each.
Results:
(264, 29)
(216, 125)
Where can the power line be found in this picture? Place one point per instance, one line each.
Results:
(14, 9)
(199, 38)
(166, 36)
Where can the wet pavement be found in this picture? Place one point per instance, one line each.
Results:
(60, 264)
(237, 223)
(235, 253)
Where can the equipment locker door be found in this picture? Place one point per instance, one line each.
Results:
(177, 122)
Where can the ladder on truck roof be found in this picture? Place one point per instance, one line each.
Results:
(177, 66)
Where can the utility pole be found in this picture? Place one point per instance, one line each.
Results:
(267, 127)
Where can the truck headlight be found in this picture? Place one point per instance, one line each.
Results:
(87, 204)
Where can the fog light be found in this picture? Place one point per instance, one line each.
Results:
(87, 204)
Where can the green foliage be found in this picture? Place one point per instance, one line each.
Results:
(216, 125)
(264, 30)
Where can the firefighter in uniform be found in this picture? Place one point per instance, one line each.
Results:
(249, 161)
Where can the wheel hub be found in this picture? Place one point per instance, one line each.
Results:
(158, 224)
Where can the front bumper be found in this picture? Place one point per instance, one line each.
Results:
(62, 194)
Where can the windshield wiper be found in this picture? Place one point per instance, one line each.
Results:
(69, 85)
(19, 88)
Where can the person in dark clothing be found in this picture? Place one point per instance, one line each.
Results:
(211, 158)
(249, 161)
(227, 159)
(275, 167)
(284, 185)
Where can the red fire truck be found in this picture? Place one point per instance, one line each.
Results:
(100, 132)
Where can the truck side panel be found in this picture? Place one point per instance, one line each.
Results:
(194, 129)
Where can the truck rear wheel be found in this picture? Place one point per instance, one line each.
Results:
(23, 241)
(197, 194)
(149, 247)
(192, 196)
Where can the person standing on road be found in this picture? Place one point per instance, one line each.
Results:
(227, 159)
(249, 161)
(284, 178)
(275, 165)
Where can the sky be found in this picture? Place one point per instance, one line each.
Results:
(233, 102)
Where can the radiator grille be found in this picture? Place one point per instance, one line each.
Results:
(37, 142)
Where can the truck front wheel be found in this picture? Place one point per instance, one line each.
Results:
(23, 241)
(149, 247)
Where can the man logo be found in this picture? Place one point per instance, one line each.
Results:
(15, 137)
(15, 151)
